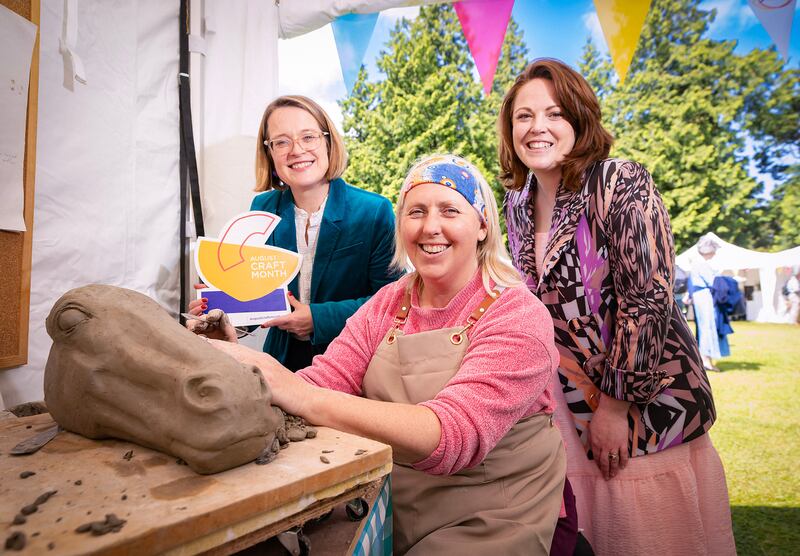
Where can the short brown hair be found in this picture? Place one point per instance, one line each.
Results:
(581, 109)
(266, 179)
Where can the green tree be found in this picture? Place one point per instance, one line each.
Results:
(428, 100)
(597, 70)
(785, 211)
(691, 109)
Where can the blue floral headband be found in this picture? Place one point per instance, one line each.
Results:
(450, 171)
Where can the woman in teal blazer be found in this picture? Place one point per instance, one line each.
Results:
(348, 232)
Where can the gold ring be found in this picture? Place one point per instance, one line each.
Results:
(612, 456)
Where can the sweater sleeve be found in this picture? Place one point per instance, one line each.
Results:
(343, 365)
(505, 375)
(641, 256)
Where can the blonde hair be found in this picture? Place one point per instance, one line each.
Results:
(493, 258)
(266, 179)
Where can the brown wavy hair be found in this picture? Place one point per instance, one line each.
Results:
(580, 108)
(266, 179)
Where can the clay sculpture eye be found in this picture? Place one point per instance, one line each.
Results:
(202, 394)
(69, 318)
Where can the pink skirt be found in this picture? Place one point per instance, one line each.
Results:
(673, 502)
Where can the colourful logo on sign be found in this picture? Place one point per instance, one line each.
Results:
(239, 263)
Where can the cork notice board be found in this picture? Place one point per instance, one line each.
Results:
(15, 247)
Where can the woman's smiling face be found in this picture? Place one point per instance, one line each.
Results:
(440, 231)
(542, 136)
(298, 167)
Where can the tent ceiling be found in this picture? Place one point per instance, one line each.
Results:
(297, 17)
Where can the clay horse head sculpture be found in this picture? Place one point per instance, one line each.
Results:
(121, 367)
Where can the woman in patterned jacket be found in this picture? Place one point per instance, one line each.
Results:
(592, 238)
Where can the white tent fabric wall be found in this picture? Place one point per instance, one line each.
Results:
(767, 304)
(107, 183)
(232, 84)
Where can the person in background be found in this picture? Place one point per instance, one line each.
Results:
(701, 296)
(343, 233)
(437, 366)
(793, 296)
(592, 239)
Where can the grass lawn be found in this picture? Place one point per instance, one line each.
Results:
(757, 434)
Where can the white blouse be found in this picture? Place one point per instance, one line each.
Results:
(307, 225)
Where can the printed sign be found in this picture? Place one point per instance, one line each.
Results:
(247, 279)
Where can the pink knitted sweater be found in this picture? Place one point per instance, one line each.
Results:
(506, 373)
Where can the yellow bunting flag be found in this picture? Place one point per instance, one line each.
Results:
(622, 22)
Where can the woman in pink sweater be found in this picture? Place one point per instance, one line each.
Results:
(437, 366)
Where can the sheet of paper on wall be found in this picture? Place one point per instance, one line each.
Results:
(17, 36)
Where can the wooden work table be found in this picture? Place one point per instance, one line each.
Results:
(168, 507)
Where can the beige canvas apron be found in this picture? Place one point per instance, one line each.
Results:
(509, 503)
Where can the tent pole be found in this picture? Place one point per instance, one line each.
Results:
(190, 182)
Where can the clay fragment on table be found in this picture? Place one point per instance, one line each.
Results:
(16, 541)
(26, 474)
(32, 508)
(120, 366)
(42, 498)
(111, 524)
(28, 409)
(269, 454)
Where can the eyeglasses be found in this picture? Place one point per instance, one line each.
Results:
(308, 142)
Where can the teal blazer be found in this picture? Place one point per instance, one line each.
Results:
(354, 248)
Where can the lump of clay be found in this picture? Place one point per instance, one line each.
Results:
(121, 367)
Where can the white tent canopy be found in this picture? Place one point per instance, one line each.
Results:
(772, 270)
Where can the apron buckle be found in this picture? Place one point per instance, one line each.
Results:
(457, 337)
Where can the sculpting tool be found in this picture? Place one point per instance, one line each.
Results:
(33, 443)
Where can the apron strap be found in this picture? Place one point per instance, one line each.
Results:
(456, 337)
(401, 316)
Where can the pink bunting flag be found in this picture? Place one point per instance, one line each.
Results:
(485, 23)
(776, 16)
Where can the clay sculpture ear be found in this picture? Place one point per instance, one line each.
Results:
(202, 394)
(264, 388)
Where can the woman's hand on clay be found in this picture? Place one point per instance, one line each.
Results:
(289, 391)
(215, 325)
(299, 322)
(608, 435)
